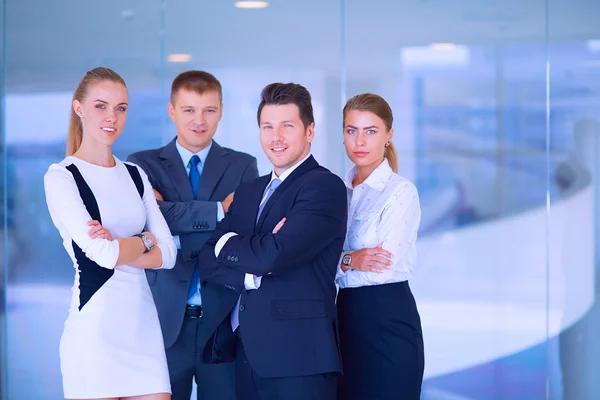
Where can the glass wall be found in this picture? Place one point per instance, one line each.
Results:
(496, 122)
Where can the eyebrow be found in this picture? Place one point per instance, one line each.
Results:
(283, 122)
(104, 102)
(215, 107)
(366, 127)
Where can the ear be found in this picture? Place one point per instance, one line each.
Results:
(389, 136)
(310, 132)
(171, 110)
(221, 112)
(77, 108)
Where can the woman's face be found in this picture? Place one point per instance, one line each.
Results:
(365, 136)
(103, 112)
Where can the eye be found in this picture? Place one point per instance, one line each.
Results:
(100, 106)
(371, 131)
(288, 125)
(123, 109)
(188, 110)
(210, 111)
(266, 126)
(350, 131)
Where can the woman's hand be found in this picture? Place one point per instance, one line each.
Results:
(97, 231)
(374, 259)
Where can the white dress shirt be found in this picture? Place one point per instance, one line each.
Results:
(252, 282)
(383, 209)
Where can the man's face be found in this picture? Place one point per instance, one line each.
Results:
(283, 136)
(196, 117)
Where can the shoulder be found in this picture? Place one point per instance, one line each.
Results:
(143, 174)
(59, 170)
(252, 185)
(400, 189)
(239, 156)
(58, 179)
(323, 177)
(144, 155)
(400, 183)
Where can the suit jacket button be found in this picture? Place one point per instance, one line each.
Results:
(236, 259)
(242, 308)
(228, 258)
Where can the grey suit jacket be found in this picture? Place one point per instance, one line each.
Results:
(193, 219)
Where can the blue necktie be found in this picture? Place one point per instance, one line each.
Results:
(194, 173)
(194, 181)
(269, 191)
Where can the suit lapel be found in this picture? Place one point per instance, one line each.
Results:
(171, 161)
(214, 168)
(303, 168)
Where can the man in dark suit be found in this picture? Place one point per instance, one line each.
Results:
(272, 263)
(194, 179)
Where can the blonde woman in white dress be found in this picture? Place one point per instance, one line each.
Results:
(105, 210)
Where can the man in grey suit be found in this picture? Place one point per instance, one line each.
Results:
(194, 179)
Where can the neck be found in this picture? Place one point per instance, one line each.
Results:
(363, 172)
(193, 149)
(96, 154)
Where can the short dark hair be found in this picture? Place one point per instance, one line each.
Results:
(198, 82)
(287, 93)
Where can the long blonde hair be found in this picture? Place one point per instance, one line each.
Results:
(378, 106)
(95, 75)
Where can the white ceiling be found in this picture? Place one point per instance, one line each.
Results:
(49, 44)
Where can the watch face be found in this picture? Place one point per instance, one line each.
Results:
(346, 259)
(147, 241)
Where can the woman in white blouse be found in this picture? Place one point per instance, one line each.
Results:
(111, 226)
(380, 329)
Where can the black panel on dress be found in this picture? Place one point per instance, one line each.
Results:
(91, 275)
(137, 179)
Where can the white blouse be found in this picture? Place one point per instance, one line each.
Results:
(384, 209)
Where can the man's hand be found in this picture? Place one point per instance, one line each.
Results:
(227, 202)
(158, 195)
(279, 225)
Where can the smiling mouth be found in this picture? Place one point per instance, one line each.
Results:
(198, 131)
(109, 130)
(278, 149)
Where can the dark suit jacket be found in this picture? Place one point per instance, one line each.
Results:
(289, 325)
(193, 219)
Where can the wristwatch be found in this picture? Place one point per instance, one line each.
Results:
(347, 259)
(147, 241)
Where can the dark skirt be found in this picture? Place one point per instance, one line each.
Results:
(381, 343)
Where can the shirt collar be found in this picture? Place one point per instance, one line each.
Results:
(186, 155)
(376, 180)
(288, 171)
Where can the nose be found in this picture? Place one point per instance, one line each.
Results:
(111, 116)
(277, 136)
(361, 139)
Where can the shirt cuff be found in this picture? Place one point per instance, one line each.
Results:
(252, 282)
(220, 211)
(221, 243)
(340, 272)
(177, 242)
